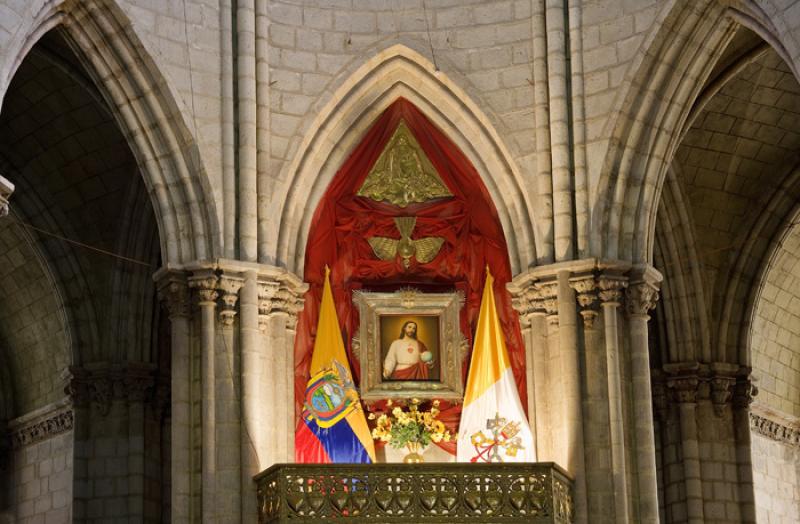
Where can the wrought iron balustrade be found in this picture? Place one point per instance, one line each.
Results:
(418, 493)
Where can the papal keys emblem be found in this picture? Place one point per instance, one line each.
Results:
(502, 437)
(330, 396)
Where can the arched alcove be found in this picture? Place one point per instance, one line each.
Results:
(393, 73)
(466, 222)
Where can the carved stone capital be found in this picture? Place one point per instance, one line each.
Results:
(173, 290)
(641, 297)
(204, 283)
(228, 286)
(585, 287)
(101, 385)
(685, 388)
(611, 289)
(546, 293)
(279, 297)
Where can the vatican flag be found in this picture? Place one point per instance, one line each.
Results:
(493, 427)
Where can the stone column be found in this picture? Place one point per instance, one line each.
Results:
(228, 420)
(270, 388)
(280, 305)
(611, 288)
(553, 393)
(743, 393)
(205, 283)
(641, 298)
(173, 289)
(599, 473)
(522, 293)
(251, 397)
(571, 379)
(685, 390)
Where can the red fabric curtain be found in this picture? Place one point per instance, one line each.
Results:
(468, 222)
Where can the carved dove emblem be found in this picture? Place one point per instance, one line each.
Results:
(423, 249)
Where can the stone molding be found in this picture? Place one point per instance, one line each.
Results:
(721, 383)
(100, 385)
(774, 426)
(41, 424)
(595, 281)
(6, 188)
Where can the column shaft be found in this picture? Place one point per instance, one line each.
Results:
(643, 420)
(181, 436)
(209, 446)
(251, 377)
(615, 412)
(570, 377)
(538, 352)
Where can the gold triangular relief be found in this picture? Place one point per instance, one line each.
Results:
(403, 174)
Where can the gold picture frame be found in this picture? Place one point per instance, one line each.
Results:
(437, 351)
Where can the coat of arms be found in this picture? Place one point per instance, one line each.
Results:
(330, 396)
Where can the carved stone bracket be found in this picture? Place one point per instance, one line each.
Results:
(744, 391)
(100, 385)
(228, 287)
(6, 188)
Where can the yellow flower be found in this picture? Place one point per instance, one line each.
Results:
(371, 416)
(389, 402)
(436, 403)
(397, 412)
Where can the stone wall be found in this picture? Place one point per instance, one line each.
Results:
(776, 471)
(41, 467)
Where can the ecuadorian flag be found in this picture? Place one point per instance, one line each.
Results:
(493, 425)
(333, 427)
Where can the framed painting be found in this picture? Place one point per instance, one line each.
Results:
(410, 345)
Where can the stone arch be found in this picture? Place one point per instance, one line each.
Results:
(666, 79)
(395, 72)
(137, 94)
(683, 316)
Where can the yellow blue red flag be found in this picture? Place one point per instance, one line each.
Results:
(333, 427)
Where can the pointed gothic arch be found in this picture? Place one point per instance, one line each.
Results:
(397, 72)
(666, 78)
(103, 39)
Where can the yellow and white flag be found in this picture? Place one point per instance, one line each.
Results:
(493, 427)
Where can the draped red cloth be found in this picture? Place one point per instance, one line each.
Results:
(468, 222)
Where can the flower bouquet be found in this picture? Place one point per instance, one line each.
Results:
(410, 427)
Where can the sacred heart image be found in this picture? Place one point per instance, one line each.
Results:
(410, 347)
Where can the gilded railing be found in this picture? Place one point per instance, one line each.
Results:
(442, 492)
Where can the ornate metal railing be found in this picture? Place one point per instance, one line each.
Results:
(419, 493)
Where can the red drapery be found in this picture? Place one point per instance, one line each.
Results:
(468, 222)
